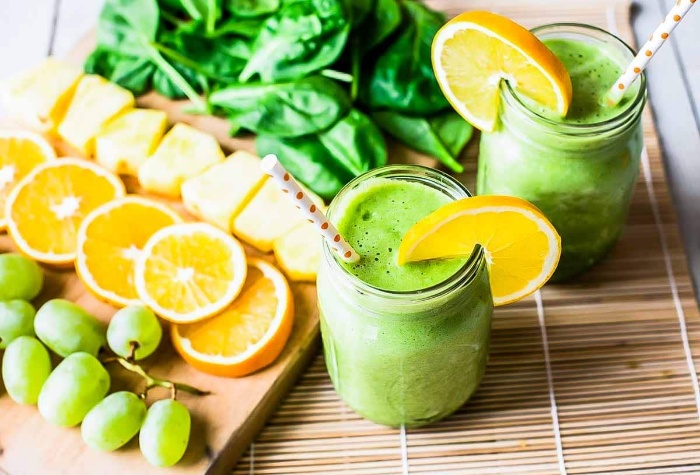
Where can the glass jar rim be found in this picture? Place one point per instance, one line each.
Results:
(461, 277)
(590, 128)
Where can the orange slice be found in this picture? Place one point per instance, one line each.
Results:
(522, 247)
(110, 239)
(475, 51)
(20, 153)
(249, 334)
(187, 272)
(45, 209)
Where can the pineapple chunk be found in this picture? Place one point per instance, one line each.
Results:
(269, 215)
(95, 102)
(298, 252)
(39, 97)
(185, 152)
(218, 194)
(129, 139)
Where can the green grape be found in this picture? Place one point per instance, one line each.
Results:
(165, 433)
(67, 328)
(25, 368)
(16, 319)
(113, 421)
(20, 277)
(74, 387)
(135, 324)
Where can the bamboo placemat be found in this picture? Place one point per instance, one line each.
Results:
(597, 376)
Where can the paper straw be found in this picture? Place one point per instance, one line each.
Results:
(648, 50)
(271, 165)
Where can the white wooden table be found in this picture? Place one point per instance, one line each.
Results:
(31, 29)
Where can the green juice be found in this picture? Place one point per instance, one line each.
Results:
(404, 345)
(580, 170)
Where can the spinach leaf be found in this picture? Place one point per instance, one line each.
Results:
(302, 37)
(252, 8)
(129, 28)
(442, 136)
(381, 22)
(359, 10)
(132, 73)
(402, 77)
(247, 28)
(308, 160)
(325, 162)
(206, 11)
(163, 83)
(290, 109)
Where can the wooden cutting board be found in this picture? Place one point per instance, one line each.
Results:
(224, 422)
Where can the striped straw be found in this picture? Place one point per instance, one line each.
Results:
(646, 52)
(271, 165)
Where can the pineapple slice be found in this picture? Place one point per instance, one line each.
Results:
(298, 252)
(95, 102)
(129, 139)
(218, 194)
(184, 152)
(39, 97)
(269, 215)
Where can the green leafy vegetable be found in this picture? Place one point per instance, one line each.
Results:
(304, 36)
(442, 136)
(379, 24)
(325, 162)
(252, 8)
(402, 77)
(132, 73)
(289, 109)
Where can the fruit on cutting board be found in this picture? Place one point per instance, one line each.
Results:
(20, 277)
(74, 387)
(45, 209)
(126, 141)
(16, 320)
(269, 214)
(39, 97)
(94, 103)
(114, 421)
(110, 238)
(25, 368)
(249, 334)
(165, 433)
(298, 252)
(67, 328)
(20, 153)
(187, 272)
(184, 152)
(134, 332)
(218, 194)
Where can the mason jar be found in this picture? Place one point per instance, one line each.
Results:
(405, 357)
(581, 175)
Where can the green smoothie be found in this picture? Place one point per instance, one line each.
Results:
(580, 170)
(404, 345)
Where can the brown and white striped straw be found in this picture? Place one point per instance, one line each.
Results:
(646, 52)
(271, 165)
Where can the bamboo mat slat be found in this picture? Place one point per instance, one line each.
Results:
(593, 378)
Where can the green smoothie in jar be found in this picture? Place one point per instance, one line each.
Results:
(580, 170)
(404, 345)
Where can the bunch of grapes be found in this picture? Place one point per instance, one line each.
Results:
(76, 390)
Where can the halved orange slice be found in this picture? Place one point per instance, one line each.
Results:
(20, 153)
(249, 334)
(522, 247)
(110, 239)
(190, 271)
(45, 209)
(475, 51)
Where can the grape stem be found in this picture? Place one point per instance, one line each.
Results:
(152, 382)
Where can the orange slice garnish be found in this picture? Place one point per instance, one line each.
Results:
(190, 271)
(249, 334)
(475, 51)
(46, 208)
(111, 238)
(522, 247)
